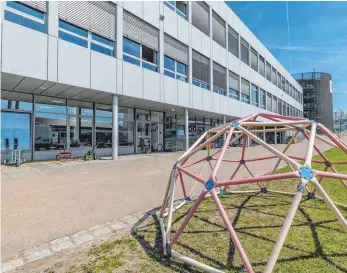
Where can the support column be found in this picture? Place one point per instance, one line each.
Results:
(114, 127)
(186, 128)
(224, 122)
(275, 136)
(94, 126)
(264, 138)
(53, 20)
(33, 130)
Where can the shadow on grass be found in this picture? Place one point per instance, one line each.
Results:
(147, 232)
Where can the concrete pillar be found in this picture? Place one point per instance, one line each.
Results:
(186, 128)
(275, 136)
(114, 127)
(264, 138)
(224, 122)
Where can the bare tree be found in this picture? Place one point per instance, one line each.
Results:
(340, 118)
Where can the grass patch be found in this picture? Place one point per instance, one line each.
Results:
(315, 243)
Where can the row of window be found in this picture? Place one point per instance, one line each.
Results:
(140, 47)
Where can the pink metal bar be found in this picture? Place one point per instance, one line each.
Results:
(258, 179)
(267, 115)
(338, 176)
(303, 159)
(221, 155)
(232, 233)
(233, 175)
(194, 163)
(197, 178)
(182, 184)
(189, 215)
(261, 158)
(332, 137)
(249, 171)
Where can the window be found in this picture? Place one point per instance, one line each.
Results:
(274, 104)
(261, 66)
(219, 79)
(268, 102)
(103, 126)
(283, 83)
(176, 58)
(29, 15)
(79, 36)
(233, 41)
(244, 90)
(262, 99)
(200, 18)
(279, 80)
(274, 76)
(279, 106)
(50, 123)
(180, 7)
(234, 85)
(268, 71)
(218, 29)
(139, 55)
(175, 69)
(126, 126)
(201, 70)
(254, 95)
(254, 59)
(286, 87)
(244, 51)
(144, 40)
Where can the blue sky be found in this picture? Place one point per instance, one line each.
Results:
(318, 37)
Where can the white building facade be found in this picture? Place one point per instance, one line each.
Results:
(129, 75)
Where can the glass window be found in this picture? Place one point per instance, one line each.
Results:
(181, 68)
(16, 101)
(72, 28)
(130, 47)
(269, 102)
(148, 55)
(233, 94)
(200, 16)
(132, 60)
(234, 81)
(15, 131)
(169, 74)
(218, 29)
(254, 95)
(279, 80)
(244, 97)
(170, 4)
(283, 83)
(233, 41)
(169, 63)
(262, 99)
(201, 70)
(102, 45)
(244, 51)
(181, 8)
(273, 76)
(73, 34)
(103, 126)
(268, 71)
(261, 66)
(21, 14)
(254, 59)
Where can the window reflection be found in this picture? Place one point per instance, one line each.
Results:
(103, 123)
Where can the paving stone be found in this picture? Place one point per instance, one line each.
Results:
(38, 255)
(82, 237)
(117, 225)
(11, 265)
(99, 230)
(129, 219)
(61, 244)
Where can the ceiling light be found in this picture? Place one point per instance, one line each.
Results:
(173, 109)
(41, 87)
(57, 101)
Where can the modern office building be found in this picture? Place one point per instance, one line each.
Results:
(317, 97)
(123, 75)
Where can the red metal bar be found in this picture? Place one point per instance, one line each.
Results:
(182, 184)
(261, 158)
(188, 217)
(257, 179)
(332, 137)
(331, 175)
(197, 178)
(232, 233)
(251, 174)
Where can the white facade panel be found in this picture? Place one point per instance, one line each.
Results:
(183, 30)
(197, 97)
(151, 84)
(24, 51)
(135, 7)
(151, 13)
(183, 94)
(103, 72)
(196, 39)
(170, 22)
(131, 87)
(205, 45)
(216, 103)
(73, 64)
(207, 98)
(170, 90)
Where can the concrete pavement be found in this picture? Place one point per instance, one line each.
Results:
(38, 207)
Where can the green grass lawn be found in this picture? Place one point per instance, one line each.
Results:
(315, 243)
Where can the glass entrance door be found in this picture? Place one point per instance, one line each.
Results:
(15, 131)
(143, 136)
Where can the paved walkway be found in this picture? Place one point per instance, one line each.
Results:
(45, 201)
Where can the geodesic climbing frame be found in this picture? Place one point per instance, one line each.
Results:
(243, 130)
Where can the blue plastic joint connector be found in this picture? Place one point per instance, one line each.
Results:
(210, 185)
(301, 187)
(188, 200)
(242, 161)
(174, 166)
(234, 124)
(209, 158)
(327, 163)
(306, 172)
(299, 129)
(222, 191)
